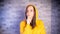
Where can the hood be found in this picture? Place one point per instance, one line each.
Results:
(36, 12)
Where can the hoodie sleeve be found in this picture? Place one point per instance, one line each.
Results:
(22, 24)
(25, 29)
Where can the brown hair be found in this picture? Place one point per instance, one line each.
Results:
(33, 22)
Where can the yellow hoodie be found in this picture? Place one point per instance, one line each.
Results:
(38, 29)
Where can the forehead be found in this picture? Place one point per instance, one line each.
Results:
(30, 7)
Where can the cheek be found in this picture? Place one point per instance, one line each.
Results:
(32, 14)
(27, 14)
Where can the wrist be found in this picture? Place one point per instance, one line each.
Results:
(28, 22)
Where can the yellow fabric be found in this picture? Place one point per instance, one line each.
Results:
(39, 28)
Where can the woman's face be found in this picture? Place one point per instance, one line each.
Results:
(30, 12)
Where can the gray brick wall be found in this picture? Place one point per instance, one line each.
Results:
(12, 13)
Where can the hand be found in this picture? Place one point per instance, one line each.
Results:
(28, 21)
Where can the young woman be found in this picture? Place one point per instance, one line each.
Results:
(31, 24)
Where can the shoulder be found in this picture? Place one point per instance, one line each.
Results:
(22, 23)
(39, 22)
